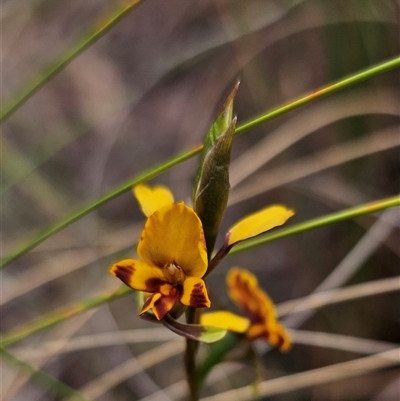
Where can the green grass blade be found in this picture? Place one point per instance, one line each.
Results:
(339, 85)
(326, 90)
(147, 175)
(59, 315)
(346, 214)
(53, 385)
(92, 36)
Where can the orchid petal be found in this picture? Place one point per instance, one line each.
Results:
(152, 198)
(273, 332)
(257, 223)
(160, 304)
(226, 320)
(140, 276)
(195, 293)
(174, 234)
(243, 289)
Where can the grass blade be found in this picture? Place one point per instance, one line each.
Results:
(346, 214)
(151, 173)
(92, 36)
(59, 315)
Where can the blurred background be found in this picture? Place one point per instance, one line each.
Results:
(148, 90)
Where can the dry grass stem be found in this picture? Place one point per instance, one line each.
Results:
(58, 347)
(340, 342)
(353, 292)
(334, 156)
(316, 117)
(313, 377)
(110, 379)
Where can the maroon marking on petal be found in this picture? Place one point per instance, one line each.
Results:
(124, 273)
(197, 297)
(154, 284)
(164, 304)
(145, 304)
(280, 342)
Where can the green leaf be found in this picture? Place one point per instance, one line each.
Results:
(197, 332)
(212, 193)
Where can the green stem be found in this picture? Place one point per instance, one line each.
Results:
(216, 354)
(59, 315)
(192, 346)
(339, 85)
(93, 35)
(346, 214)
(145, 176)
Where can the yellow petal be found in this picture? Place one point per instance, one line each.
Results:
(243, 289)
(259, 222)
(160, 304)
(152, 198)
(225, 320)
(140, 276)
(273, 332)
(195, 293)
(174, 234)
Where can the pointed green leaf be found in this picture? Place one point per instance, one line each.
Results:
(211, 196)
(211, 187)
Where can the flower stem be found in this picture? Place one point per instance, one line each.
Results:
(192, 346)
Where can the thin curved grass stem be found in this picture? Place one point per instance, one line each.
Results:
(151, 173)
(314, 377)
(106, 22)
(320, 299)
(342, 215)
(326, 90)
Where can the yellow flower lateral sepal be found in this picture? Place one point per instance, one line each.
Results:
(260, 321)
(226, 320)
(152, 198)
(243, 289)
(173, 260)
(259, 222)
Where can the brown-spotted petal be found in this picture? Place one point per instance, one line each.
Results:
(271, 331)
(195, 293)
(139, 275)
(160, 304)
(243, 289)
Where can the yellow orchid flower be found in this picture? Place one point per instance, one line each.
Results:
(172, 250)
(260, 322)
(172, 253)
